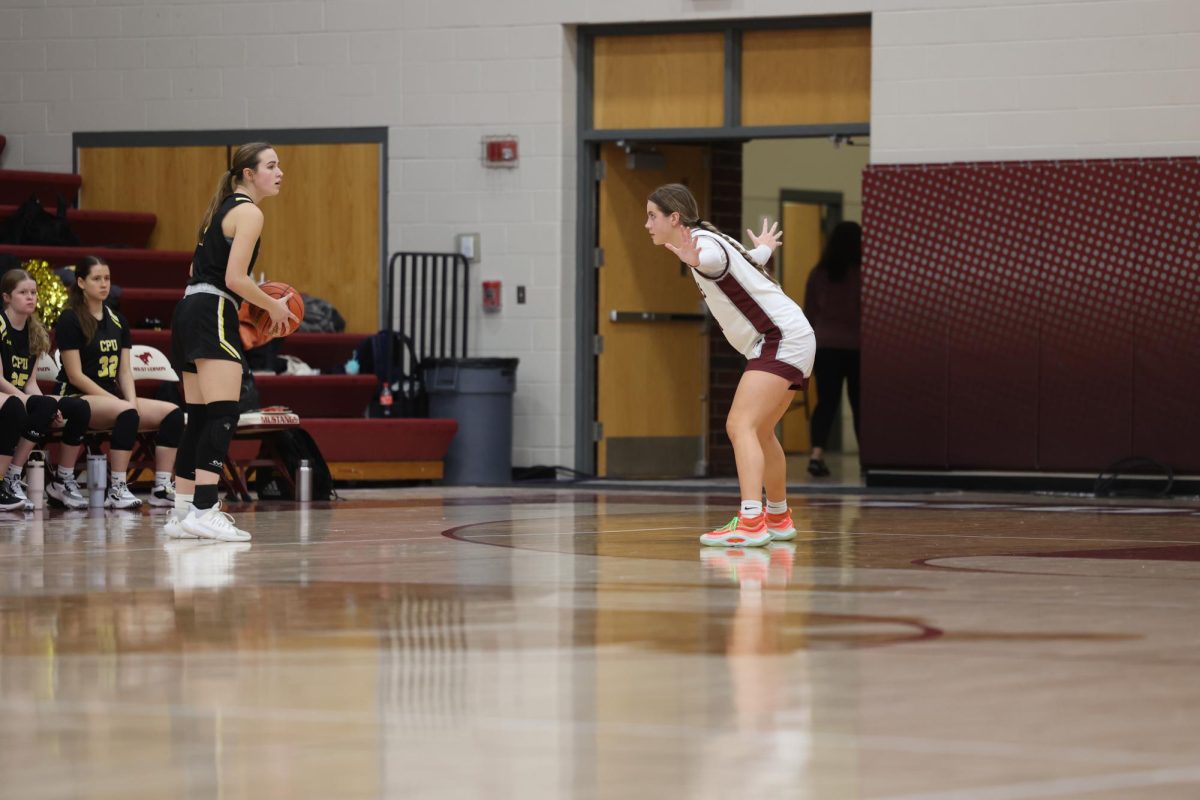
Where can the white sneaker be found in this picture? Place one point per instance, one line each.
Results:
(213, 523)
(119, 496)
(16, 488)
(65, 491)
(163, 495)
(173, 527)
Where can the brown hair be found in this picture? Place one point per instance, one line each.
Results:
(77, 301)
(674, 197)
(244, 158)
(39, 339)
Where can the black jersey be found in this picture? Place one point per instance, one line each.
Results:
(212, 253)
(14, 352)
(100, 357)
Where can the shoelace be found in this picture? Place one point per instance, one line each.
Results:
(225, 520)
(71, 485)
(729, 526)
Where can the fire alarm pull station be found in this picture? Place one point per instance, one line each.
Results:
(491, 295)
(500, 151)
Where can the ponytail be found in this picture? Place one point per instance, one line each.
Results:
(244, 158)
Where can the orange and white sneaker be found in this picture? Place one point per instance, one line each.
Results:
(739, 532)
(780, 526)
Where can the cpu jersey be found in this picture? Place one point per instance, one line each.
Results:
(212, 252)
(100, 357)
(14, 352)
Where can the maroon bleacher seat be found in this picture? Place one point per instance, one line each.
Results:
(158, 269)
(17, 185)
(102, 228)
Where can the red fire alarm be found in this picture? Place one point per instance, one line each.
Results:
(500, 151)
(491, 295)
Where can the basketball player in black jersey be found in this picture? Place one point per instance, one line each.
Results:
(23, 340)
(205, 346)
(94, 344)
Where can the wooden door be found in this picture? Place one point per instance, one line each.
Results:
(652, 376)
(803, 238)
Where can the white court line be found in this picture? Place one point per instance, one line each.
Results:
(1063, 787)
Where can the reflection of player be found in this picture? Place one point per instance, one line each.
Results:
(766, 749)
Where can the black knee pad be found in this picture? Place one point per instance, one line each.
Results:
(170, 431)
(185, 456)
(13, 420)
(76, 414)
(124, 431)
(218, 432)
(39, 411)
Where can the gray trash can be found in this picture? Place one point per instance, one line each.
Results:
(478, 394)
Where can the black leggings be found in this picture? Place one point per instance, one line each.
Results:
(833, 366)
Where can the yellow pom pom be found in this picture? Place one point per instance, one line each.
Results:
(51, 294)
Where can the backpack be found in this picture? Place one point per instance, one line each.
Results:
(32, 224)
(321, 317)
(384, 354)
(293, 446)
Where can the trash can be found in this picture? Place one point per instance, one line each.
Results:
(478, 394)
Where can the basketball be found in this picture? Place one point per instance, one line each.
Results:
(261, 320)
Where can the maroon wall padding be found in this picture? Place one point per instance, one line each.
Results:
(1034, 316)
(17, 185)
(382, 439)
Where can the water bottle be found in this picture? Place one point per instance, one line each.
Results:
(385, 400)
(352, 365)
(97, 480)
(304, 482)
(35, 475)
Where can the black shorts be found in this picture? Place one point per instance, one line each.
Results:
(205, 326)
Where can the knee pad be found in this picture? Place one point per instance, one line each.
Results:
(170, 431)
(12, 421)
(218, 432)
(185, 456)
(76, 414)
(124, 431)
(40, 412)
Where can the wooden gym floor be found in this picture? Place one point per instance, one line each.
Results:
(579, 643)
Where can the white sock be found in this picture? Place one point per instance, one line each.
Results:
(116, 480)
(776, 508)
(14, 472)
(183, 502)
(162, 479)
(751, 508)
(64, 472)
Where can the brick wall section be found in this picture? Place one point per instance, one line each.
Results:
(724, 363)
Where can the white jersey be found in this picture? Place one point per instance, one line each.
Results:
(757, 318)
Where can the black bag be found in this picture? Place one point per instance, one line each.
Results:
(32, 224)
(321, 317)
(293, 446)
(391, 357)
(249, 400)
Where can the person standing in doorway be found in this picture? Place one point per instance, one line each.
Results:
(833, 304)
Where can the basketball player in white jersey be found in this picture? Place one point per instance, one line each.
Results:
(764, 325)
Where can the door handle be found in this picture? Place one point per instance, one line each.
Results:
(653, 316)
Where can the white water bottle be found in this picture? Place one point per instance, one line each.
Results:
(35, 475)
(97, 480)
(304, 482)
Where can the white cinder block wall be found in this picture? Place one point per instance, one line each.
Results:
(952, 80)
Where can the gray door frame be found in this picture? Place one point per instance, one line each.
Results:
(587, 172)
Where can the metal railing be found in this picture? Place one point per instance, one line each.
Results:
(427, 301)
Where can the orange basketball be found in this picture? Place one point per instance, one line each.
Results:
(261, 320)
